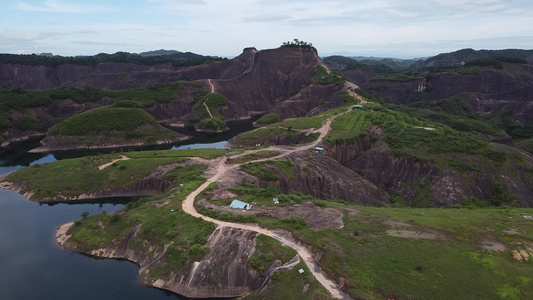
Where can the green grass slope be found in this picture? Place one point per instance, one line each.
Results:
(106, 126)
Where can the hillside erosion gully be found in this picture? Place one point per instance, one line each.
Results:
(304, 252)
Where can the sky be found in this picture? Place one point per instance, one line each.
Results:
(389, 28)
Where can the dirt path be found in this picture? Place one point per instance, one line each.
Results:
(212, 91)
(305, 254)
(212, 86)
(122, 157)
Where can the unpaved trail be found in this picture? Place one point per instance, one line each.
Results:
(208, 111)
(122, 157)
(212, 91)
(305, 254)
(212, 86)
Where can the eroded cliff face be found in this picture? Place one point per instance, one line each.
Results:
(323, 177)
(411, 178)
(221, 273)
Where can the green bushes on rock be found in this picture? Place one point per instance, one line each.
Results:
(103, 119)
(29, 122)
(269, 119)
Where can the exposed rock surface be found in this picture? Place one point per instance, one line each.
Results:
(222, 273)
(403, 175)
(226, 265)
(339, 182)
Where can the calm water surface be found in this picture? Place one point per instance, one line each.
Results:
(33, 266)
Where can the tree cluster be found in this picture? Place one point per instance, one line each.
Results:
(297, 43)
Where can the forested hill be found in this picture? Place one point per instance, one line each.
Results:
(176, 58)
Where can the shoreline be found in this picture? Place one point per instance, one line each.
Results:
(47, 149)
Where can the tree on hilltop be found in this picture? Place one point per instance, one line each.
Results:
(297, 43)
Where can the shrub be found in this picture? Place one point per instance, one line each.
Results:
(295, 222)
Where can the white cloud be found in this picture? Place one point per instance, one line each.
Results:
(58, 7)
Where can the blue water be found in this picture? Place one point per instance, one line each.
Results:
(216, 145)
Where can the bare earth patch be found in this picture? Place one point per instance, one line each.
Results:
(490, 243)
(426, 128)
(394, 224)
(511, 231)
(409, 234)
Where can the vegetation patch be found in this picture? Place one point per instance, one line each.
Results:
(249, 192)
(103, 119)
(526, 145)
(395, 77)
(269, 119)
(29, 122)
(406, 135)
(454, 113)
(349, 127)
(81, 175)
(259, 135)
(184, 174)
(285, 128)
(267, 250)
(204, 106)
(374, 264)
(261, 171)
(290, 284)
(329, 76)
(206, 153)
(17, 98)
(178, 59)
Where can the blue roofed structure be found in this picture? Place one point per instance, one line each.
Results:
(240, 205)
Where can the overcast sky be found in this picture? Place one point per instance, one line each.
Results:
(405, 28)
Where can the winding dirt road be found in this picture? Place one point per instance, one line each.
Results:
(305, 254)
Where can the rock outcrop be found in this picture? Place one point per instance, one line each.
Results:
(226, 264)
(339, 182)
(406, 176)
